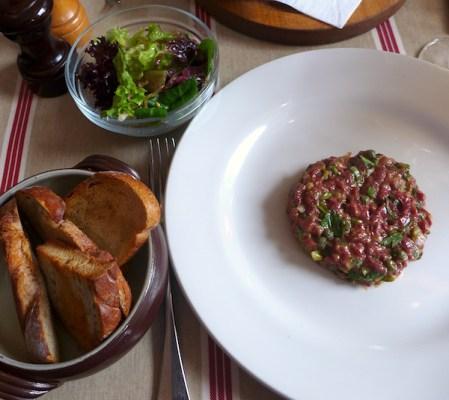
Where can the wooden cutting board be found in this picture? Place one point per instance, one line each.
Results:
(272, 21)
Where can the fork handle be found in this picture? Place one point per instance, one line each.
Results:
(172, 381)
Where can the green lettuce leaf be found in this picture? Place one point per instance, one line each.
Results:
(128, 97)
(208, 47)
(118, 35)
(156, 34)
(177, 96)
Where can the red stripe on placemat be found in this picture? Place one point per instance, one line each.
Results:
(203, 15)
(220, 381)
(381, 38)
(387, 37)
(22, 133)
(228, 377)
(212, 370)
(197, 10)
(220, 373)
(16, 139)
(392, 36)
(10, 145)
(208, 21)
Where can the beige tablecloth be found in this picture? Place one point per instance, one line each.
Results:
(56, 135)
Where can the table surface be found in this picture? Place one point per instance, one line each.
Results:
(56, 135)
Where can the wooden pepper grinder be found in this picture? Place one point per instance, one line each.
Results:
(69, 19)
(42, 58)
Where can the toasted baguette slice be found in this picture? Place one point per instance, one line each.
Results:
(115, 210)
(86, 291)
(28, 286)
(44, 209)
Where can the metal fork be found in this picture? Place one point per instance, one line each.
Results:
(161, 153)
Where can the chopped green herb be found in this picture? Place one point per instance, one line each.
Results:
(389, 203)
(393, 239)
(322, 207)
(363, 275)
(329, 234)
(398, 254)
(322, 242)
(368, 163)
(316, 255)
(391, 265)
(371, 192)
(403, 166)
(389, 278)
(417, 254)
(356, 262)
(355, 171)
(358, 178)
(365, 199)
(416, 233)
(337, 224)
(334, 169)
(326, 221)
(326, 196)
(333, 223)
(346, 226)
(372, 155)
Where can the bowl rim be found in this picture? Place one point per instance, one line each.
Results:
(178, 113)
(120, 332)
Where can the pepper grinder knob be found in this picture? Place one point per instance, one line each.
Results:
(43, 56)
(69, 19)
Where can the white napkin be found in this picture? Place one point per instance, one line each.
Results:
(333, 12)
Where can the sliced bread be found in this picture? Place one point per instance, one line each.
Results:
(115, 210)
(87, 291)
(44, 209)
(28, 286)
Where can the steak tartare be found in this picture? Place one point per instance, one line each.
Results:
(361, 216)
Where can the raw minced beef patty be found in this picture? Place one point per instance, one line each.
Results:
(361, 216)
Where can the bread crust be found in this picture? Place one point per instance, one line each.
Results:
(102, 283)
(28, 286)
(43, 209)
(114, 202)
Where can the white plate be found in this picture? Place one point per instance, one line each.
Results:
(289, 322)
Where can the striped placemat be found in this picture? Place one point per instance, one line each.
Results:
(220, 375)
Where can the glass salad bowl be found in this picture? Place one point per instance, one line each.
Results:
(153, 117)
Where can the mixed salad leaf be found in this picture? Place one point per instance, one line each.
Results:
(147, 74)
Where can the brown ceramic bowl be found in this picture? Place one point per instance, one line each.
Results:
(146, 273)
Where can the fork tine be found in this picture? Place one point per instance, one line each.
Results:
(161, 154)
(151, 172)
(165, 151)
(172, 145)
(160, 172)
